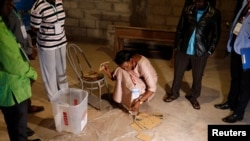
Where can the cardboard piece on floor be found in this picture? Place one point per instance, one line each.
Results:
(144, 137)
(136, 127)
(147, 121)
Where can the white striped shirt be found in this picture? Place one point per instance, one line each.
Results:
(45, 16)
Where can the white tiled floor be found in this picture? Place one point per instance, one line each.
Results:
(181, 122)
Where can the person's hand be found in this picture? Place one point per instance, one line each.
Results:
(135, 106)
(106, 69)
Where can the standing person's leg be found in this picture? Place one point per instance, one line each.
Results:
(181, 62)
(245, 93)
(16, 119)
(234, 90)
(61, 67)
(236, 75)
(48, 67)
(32, 109)
(198, 66)
(243, 99)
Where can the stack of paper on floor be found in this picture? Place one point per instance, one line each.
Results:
(144, 121)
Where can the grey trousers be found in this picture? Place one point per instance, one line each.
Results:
(53, 69)
(181, 63)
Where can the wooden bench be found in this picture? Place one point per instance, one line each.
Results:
(146, 34)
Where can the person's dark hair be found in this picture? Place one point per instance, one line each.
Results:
(123, 56)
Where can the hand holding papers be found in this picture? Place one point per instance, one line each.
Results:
(102, 65)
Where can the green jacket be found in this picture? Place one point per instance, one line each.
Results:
(15, 71)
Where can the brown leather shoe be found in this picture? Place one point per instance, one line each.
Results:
(170, 98)
(194, 102)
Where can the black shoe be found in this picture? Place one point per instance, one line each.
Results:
(232, 118)
(194, 102)
(222, 106)
(30, 132)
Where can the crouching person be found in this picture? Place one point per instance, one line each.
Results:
(134, 74)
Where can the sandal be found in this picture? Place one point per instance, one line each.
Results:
(35, 109)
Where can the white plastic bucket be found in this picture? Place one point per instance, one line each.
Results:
(70, 110)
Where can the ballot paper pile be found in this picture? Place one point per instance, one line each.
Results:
(144, 121)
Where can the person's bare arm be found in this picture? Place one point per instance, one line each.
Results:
(136, 103)
(108, 72)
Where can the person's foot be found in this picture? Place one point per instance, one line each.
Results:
(170, 98)
(30, 132)
(222, 106)
(194, 102)
(35, 109)
(232, 118)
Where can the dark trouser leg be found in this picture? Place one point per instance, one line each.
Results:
(236, 74)
(29, 103)
(181, 62)
(198, 66)
(244, 96)
(16, 121)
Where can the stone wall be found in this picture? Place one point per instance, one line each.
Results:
(91, 19)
